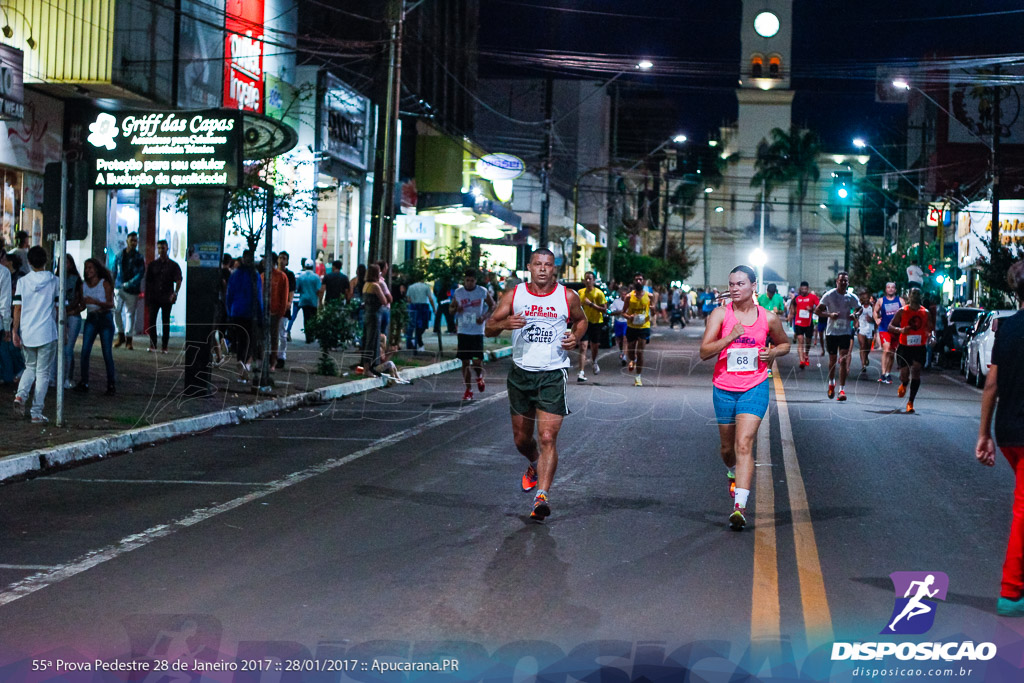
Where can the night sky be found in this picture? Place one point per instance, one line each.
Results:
(836, 46)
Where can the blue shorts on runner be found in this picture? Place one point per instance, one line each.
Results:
(729, 404)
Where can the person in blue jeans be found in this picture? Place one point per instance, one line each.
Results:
(98, 291)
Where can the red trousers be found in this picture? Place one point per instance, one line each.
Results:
(1013, 566)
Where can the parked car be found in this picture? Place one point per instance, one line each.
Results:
(979, 351)
(968, 336)
(948, 343)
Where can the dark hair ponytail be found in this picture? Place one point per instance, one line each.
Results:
(746, 270)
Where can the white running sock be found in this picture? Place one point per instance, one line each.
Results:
(842, 387)
(741, 497)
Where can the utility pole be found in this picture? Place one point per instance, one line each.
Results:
(707, 244)
(664, 213)
(545, 169)
(996, 123)
(613, 190)
(382, 227)
(846, 251)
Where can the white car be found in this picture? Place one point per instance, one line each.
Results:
(979, 349)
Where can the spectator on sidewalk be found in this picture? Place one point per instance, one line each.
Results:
(421, 307)
(6, 315)
(98, 297)
(385, 309)
(245, 311)
(279, 302)
(219, 346)
(335, 285)
(163, 280)
(11, 362)
(373, 299)
(34, 330)
(129, 269)
(22, 243)
(293, 308)
(74, 304)
(1004, 396)
(308, 287)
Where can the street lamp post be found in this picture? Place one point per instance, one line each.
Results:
(549, 136)
(993, 146)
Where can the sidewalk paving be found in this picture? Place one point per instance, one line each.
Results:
(149, 390)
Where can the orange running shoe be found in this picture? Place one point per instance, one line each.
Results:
(530, 478)
(902, 391)
(541, 508)
(831, 390)
(732, 483)
(841, 396)
(910, 407)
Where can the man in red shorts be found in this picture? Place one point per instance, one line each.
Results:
(801, 317)
(1005, 385)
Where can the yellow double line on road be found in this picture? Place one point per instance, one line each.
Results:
(765, 622)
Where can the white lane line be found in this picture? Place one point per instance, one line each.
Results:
(59, 573)
(961, 383)
(295, 438)
(155, 481)
(28, 567)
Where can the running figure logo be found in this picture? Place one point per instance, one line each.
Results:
(916, 592)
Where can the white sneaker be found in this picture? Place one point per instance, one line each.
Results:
(580, 377)
(637, 382)
(597, 368)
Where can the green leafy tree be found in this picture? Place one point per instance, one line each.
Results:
(625, 262)
(996, 291)
(334, 328)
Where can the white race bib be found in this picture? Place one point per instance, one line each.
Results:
(741, 360)
(804, 314)
(913, 340)
(639, 319)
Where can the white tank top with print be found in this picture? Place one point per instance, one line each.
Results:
(537, 346)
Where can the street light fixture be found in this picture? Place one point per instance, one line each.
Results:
(645, 64)
(679, 139)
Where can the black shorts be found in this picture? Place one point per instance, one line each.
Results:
(543, 390)
(593, 333)
(635, 333)
(804, 331)
(906, 356)
(834, 343)
(470, 346)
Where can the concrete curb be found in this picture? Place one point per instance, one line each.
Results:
(43, 459)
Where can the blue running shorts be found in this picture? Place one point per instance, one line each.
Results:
(729, 404)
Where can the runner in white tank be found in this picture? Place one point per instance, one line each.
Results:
(546, 320)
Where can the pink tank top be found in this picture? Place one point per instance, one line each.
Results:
(738, 367)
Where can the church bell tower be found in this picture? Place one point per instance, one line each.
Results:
(765, 98)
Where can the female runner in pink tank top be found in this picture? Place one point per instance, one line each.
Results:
(737, 335)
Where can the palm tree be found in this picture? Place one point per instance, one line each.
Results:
(790, 157)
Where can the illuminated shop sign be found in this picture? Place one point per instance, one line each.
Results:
(344, 123)
(12, 86)
(243, 53)
(132, 149)
(500, 167)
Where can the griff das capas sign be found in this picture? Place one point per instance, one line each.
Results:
(165, 149)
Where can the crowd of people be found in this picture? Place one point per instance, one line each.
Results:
(108, 299)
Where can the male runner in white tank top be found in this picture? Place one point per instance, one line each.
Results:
(546, 320)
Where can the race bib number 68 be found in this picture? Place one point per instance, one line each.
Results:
(741, 360)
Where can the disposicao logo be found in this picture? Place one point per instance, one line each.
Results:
(916, 592)
(913, 613)
(103, 132)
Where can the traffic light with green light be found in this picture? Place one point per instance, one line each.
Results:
(842, 187)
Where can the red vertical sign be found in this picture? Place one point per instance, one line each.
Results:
(243, 55)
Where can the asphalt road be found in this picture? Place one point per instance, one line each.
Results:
(385, 524)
